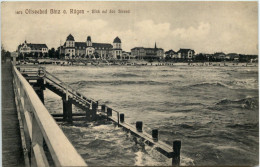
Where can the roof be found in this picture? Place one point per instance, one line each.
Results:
(117, 40)
(146, 48)
(185, 50)
(34, 46)
(169, 51)
(80, 44)
(102, 45)
(70, 38)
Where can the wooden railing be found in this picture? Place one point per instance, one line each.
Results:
(69, 90)
(39, 127)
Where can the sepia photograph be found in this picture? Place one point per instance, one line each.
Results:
(129, 83)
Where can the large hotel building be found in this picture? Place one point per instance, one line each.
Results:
(92, 49)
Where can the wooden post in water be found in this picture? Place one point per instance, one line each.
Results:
(39, 92)
(118, 119)
(139, 126)
(69, 110)
(103, 108)
(155, 134)
(176, 153)
(122, 117)
(94, 111)
(109, 112)
(65, 111)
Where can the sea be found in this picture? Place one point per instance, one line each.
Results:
(213, 110)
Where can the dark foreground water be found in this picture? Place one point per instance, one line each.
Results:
(212, 110)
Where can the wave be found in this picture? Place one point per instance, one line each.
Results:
(125, 75)
(244, 126)
(116, 82)
(247, 103)
(207, 85)
(99, 143)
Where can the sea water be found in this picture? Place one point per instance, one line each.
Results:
(212, 110)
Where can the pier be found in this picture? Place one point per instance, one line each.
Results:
(41, 140)
(39, 126)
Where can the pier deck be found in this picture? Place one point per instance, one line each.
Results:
(12, 152)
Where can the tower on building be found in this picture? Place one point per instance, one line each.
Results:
(89, 43)
(117, 48)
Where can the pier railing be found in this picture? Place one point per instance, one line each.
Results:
(40, 127)
(70, 92)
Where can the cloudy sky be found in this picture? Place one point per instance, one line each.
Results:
(206, 27)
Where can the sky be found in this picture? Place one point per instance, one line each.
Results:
(206, 27)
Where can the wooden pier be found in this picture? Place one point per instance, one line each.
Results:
(41, 137)
(40, 79)
(12, 150)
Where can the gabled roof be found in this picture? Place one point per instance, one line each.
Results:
(169, 51)
(34, 46)
(70, 38)
(185, 50)
(117, 40)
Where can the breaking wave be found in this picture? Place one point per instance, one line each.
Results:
(248, 102)
(207, 85)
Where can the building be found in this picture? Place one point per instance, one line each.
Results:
(219, 56)
(27, 49)
(147, 53)
(91, 49)
(171, 54)
(186, 53)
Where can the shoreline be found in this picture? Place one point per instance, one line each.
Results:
(82, 62)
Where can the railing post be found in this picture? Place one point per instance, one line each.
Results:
(176, 153)
(38, 157)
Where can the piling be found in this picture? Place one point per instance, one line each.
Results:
(139, 126)
(65, 113)
(122, 117)
(109, 112)
(155, 134)
(93, 111)
(103, 108)
(41, 87)
(67, 110)
(176, 153)
(118, 119)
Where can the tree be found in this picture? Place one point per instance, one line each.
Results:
(51, 53)
(57, 54)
